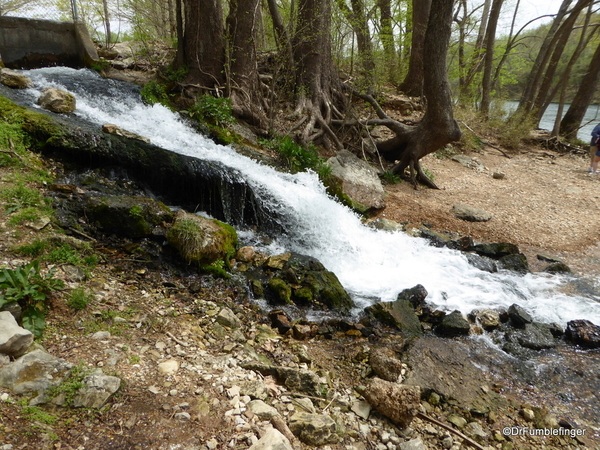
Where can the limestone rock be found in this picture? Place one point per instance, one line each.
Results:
(34, 372)
(399, 402)
(14, 340)
(584, 333)
(272, 440)
(57, 100)
(14, 79)
(262, 410)
(385, 364)
(413, 444)
(314, 429)
(361, 409)
(488, 318)
(169, 367)
(468, 161)
(471, 214)
(227, 318)
(357, 180)
(96, 390)
(298, 380)
(118, 131)
(399, 314)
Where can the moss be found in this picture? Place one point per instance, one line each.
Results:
(281, 289)
(303, 295)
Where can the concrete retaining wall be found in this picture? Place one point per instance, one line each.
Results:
(31, 43)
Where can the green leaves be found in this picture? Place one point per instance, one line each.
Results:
(30, 289)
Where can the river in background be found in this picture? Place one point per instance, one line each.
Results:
(590, 120)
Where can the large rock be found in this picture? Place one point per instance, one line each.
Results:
(200, 240)
(445, 367)
(96, 390)
(57, 100)
(496, 250)
(534, 336)
(36, 372)
(470, 213)
(453, 324)
(399, 402)
(272, 440)
(385, 363)
(584, 333)
(14, 79)
(518, 316)
(314, 429)
(298, 380)
(118, 131)
(357, 180)
(401, 313)
(14, 340)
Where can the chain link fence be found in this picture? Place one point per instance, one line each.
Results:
(57, 10)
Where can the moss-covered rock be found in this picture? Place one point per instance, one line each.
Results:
(281, 290)
(202, 241)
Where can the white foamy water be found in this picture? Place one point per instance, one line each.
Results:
(371, 264)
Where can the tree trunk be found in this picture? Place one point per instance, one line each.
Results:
(203, 43)
(572, 120)
(490, 40)
(413, 82)
(386, 34)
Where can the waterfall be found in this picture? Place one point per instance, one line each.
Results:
(372, 265)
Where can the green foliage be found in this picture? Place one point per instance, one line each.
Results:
(58, 253)
(30, 289)
(213, 110)
(71, 385)
(516, 129)
(176, 75)
(216, 269)
(101, 65)
(136, 212)
(20, 197)
(298, 158)
(153, 92)
(35, 249)
(31, 214)
(36, 414)
(390, 177)
(79, 298)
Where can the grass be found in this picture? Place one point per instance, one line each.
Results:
(79, 298)
(20, 197)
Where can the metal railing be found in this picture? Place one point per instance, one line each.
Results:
(60, 11)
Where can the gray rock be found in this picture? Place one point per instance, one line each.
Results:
(298, 380)
(385, 364)
(305, 404)
(262, 410)
(471, 163)
(361, 409)
(96, 390)
(100, 335)
(516, 263)
(272, 440)
(14, 79)
(227, 318)
(399, 402)
(399, 314)
(482, 262)
(118, 131)
(518, 316)
(358, 180)
(557, 267)
(453, 324)
(36, 372)
(57, 100)
(496, 250)
(254, 389)
(413, 444)
(183, 416)
(584, 333)
(314, 429)
(535, 336)
(387, 225)
(470, 214)
(14, 340)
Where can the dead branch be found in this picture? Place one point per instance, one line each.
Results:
(465, 438)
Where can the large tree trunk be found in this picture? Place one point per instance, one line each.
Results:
(413, 82)
(386, 34)
(490, 40)
(572, 120)
(203, 43)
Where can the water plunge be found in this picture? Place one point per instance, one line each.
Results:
(372, 265)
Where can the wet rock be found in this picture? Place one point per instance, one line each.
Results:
(471, 214)
(496, 250)
(386, 225)
(516, 263)
(357, 180)
(14, 340)
(35, 372)
(386, 364)
(57, 100)
(482, 262)
(535, 336)
(280, 320)
(584, 333)
(453, 324)
(314, 429)
(14, 79)
(118, 131)
(518, 316)
(200, 240)
(435, 238)
(272, 440)
(131, 216)
(245, 254)
(488, 318)
(399, 402)
(557, 267)
(445, 367)
(399, 314)
(96, 390)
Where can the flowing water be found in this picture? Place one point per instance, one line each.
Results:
(371, 264)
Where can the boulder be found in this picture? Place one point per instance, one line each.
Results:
(200, 240)
(14, 340)
(272, 440)
(36, 372)
(557, 267)
(488, 318)
(453, 324)
(298, 380)
(385, 364)
(14, 79)
(314, 429)
(534, 336)
(496, 250)
(399, 314)
(96, 390)
(399, 402)
(584, 333)
(482, 262)
(57, 100)
(118, 131)
(470, 214)
(357, 181)
(518, 316)
(516, 263)
(262, 410)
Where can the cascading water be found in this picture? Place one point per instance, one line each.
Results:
(372, 265)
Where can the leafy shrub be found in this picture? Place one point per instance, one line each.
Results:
(390, 177)
(213, 110)
(154, 92)
(30, 289)
(298, 158)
